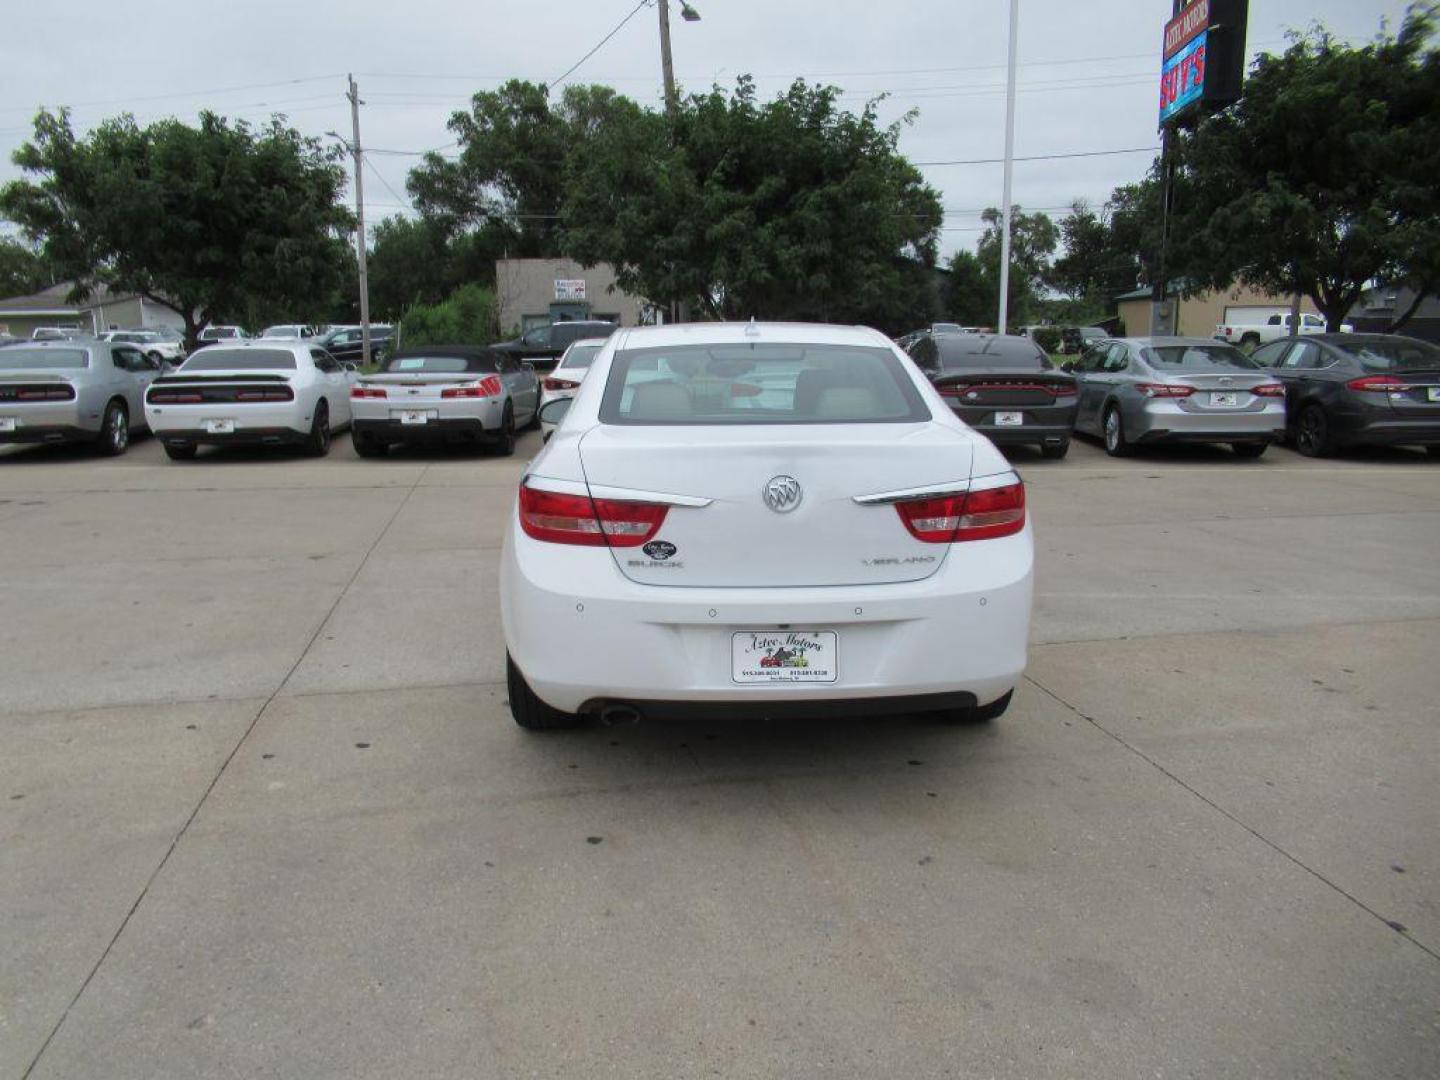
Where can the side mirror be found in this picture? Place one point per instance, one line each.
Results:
(552, 412)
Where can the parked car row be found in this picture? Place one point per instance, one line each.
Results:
(1321, 393)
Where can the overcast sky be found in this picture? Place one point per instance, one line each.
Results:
(1088, 71)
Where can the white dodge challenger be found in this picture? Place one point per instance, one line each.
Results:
(763, 519)
(264, 392)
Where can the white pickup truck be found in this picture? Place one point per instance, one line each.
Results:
(1252, 335)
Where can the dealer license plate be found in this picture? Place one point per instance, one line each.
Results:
(414, 416)
(1224, 399)
(1432, 392)
(1009, 419)
(784, 656)
(220, 427)
(7, 423)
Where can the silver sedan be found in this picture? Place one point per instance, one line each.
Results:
(73, 391)
(1136, 391)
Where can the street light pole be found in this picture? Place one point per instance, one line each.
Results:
(354, 96)
(1009, 170)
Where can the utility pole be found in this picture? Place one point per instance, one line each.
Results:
(677, 312)
(672, 103)
(1009, 169)
(354, 96)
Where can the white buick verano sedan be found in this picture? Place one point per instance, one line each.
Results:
(764, 519)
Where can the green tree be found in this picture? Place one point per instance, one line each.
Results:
(1032, 242)
(970, 292)
(1323, 176)
(22, 268)
(466, 317)
(215, 221)
(510, 174)
(792, 208)
(1094, 266)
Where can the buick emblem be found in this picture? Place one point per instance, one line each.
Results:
(782, 494)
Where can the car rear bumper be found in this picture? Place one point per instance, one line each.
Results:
(1390, 432)
(460, 429)
(253, 422)
(47, 433)
(585, 636)
(250, 436)
(1165, 421)
(1039, 424)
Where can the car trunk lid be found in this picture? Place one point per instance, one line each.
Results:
(738, 540)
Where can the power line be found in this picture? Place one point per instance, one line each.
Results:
(380, 176)
(618, 26)
(186, 93)
(1044, 157)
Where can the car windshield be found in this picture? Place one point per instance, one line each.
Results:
(19, 359)
(440, 365)
(1197, 358)
(1399, 354)
(760, 384)
(240, 360)
(580, 356)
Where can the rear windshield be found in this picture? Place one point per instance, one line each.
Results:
(1197, 358)
(581, 356)
(958, 353)
(1399, 355)
(240, 359)
(760, 384)
(21, 359)
(564, 333)
(440, 365)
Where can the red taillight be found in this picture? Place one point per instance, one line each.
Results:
(579, 519)
(58, 393)
(1225, 330)
(1154, 390)
(552, 383)
(1273, 389)
(279, 393)
(1376, 384)
(975, 515)
(486, 387)
(173, 397)
(362, 392)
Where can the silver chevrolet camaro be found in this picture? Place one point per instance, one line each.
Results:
(435, 395)
(1139, 391)
(78, 390)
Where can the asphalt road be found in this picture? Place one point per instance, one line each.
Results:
(263, 811)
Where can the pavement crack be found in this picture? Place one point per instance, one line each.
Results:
(1172, 776)
(215, 780)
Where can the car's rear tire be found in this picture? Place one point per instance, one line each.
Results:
(181, 451)
(1113, 428)
(504, 444)
(114, 437)
(529, 711)
(317, 443)
(1250, 450)
(367, 445)
(1312, 432)
(981, 714)
(1055, 451)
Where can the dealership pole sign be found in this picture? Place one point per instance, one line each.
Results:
(1202, 59)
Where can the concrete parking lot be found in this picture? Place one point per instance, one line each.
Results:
(263, 811)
